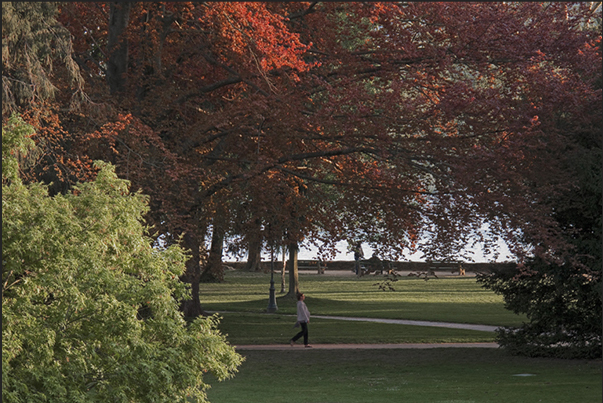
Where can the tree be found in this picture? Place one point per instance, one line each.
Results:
(562, 298)
(498, 141)
(401, 121)
(39, 74)
(89, 302)
(221, 48)
(34, 44)
(460, 133)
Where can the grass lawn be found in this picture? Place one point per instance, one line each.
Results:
(249, 328)
(451, 299)
(435, 376)
(452, 375)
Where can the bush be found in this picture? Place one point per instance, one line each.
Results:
(89, 308)
(562, 303)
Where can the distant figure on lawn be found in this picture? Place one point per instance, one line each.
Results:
(303, 318)
(358, 254)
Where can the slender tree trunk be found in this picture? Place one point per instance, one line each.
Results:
(283, 269)
(117, 45)
(293, 274)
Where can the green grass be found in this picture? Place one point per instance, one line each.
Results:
(278, 329)
(453, 375)
(434, 376)
(456, 299)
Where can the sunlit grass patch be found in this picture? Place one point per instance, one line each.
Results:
(249, 328)
(459, 300)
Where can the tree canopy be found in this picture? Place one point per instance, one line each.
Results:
(281, 121)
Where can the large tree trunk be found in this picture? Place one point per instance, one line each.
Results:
(254, 255)
(192, 307)
(117, 45)
(293, 274)
(214, 269)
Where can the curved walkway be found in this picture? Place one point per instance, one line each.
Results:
(449, 325)
(481, 328)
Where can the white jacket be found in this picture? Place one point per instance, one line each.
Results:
(303, 315)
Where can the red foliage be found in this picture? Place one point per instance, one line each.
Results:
(329, 120)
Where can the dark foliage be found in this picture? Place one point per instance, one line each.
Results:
(563, 306)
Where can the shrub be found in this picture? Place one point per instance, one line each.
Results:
(89, 307)
(562, 303)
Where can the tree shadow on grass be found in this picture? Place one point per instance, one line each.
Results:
(254, 328)
(472, 313)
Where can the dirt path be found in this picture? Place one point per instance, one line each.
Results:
(365, 346)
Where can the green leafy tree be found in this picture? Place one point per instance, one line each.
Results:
(15, 142)
(89, 307)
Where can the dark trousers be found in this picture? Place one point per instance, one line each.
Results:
(303, 332)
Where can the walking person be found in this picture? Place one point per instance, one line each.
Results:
(358, 254)
(303, 318)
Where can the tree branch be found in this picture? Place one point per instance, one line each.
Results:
(305, 12)
(209, 88)
(233, 72)
(338, 183)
